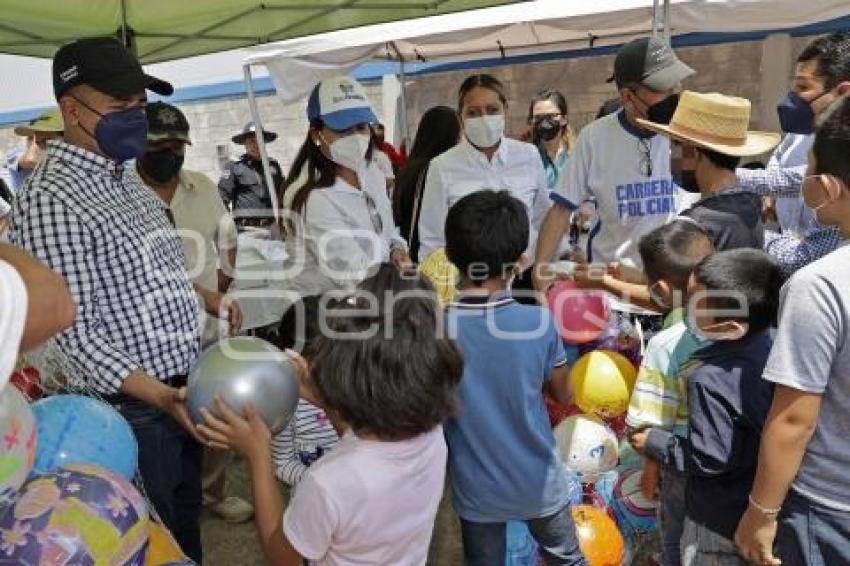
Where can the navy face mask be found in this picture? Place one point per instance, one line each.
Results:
(121, 135)
(796, 115)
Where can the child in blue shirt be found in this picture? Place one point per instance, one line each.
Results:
(503, 462)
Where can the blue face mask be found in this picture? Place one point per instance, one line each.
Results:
(796, 115)
(121, 135)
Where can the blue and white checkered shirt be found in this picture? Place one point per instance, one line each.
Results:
(791, 252)
(89, 220)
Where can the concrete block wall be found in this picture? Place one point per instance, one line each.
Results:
(732, 68)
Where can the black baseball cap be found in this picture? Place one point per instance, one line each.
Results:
(105, 64)
(651, 62)
(166, 122)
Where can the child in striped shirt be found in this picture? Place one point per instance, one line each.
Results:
(307, 437)
(310, 434)
(669, 254)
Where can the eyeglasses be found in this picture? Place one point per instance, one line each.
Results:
(374, 214)
(645, 148)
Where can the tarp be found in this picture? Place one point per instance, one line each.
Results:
(163, 30)
(518, 29)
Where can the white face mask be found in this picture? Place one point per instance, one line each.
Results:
(484, 131)
(350, 151)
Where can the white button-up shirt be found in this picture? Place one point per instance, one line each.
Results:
(344, 232)
(516, 167)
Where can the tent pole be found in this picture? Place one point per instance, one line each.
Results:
(654, 18)
(124, 24)
(402, 79)
(261, 142)
(668, 33)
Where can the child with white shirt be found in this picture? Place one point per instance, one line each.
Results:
(388, 380)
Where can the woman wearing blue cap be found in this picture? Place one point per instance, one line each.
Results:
(337, 214)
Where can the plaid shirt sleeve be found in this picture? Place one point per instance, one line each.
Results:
(773, 181)
(655, 397)
(794, 253)
(56, 235)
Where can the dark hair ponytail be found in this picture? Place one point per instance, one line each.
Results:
(321, 171)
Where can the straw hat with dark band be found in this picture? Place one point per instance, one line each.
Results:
(716, 122)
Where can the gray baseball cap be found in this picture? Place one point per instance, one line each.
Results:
(650, 62)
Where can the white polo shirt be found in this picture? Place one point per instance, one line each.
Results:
(516, 167)
(607, 164)
(342, 236)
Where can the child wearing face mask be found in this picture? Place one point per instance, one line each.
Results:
(485, 159)
(669, 254)
(733, 299)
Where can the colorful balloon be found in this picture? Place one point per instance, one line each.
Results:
(18, 435)
(581, 315)
(245, 370)
(76, 515)
(162, 548)
(602, 383)
(620, 336)
(629, 458)
(588, 447)
(603, 488)
(634, 513)
(73, 429)
(442, 274)
(598, 536)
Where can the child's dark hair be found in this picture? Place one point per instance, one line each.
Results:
(743, 275)
(392, 376)
(672, 251)
(482, 80)
(832, 142)
(486, 233)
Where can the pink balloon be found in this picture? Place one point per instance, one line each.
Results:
(580, 314)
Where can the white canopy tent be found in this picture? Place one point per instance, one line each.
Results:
(532, 27)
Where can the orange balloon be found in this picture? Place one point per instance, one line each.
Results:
(162, 548)
(598, 536)
(603, 382)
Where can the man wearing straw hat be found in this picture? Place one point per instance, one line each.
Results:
(709, 137)
(20, 162)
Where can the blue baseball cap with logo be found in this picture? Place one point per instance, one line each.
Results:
(340, 103)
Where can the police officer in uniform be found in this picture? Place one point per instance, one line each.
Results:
(243, 185)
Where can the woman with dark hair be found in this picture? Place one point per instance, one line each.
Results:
(337, 216)
(438, 132)
(484, 159)
(551, 132)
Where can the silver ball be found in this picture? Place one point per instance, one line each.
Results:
(245, 370)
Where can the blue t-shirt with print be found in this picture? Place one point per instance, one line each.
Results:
(503, 463)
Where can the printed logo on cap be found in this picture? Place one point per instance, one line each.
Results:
(168, 116)
(350, 97)
(69, 73)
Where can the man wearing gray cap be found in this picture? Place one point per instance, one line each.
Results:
(621, 166)
(135, 336)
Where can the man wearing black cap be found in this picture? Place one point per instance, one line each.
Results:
(135, 336)
(625, 168)
(209, 243)
(243, 184)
